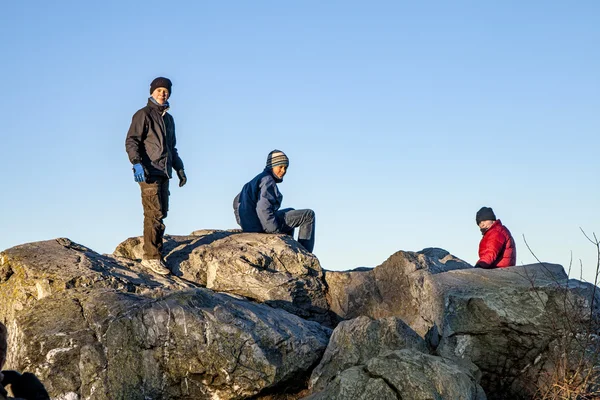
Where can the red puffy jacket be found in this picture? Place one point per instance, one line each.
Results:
(497, 248)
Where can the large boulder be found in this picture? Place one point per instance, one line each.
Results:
(356, 341)
(406, 374)
(505, 320)
(271, 269)
(508, 322)
(99, 327)
(395, 288)
(33, 271)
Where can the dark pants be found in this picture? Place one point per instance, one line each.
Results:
(303, 219)
(155, 200)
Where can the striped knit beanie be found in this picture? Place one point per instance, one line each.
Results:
(277, 157)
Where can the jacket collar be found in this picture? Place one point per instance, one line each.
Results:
(162, 108)
(270, 172)
(497, 224)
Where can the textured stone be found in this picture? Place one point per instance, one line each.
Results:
(395, 288)
(502, 320)
(271, 269)
(403, 374)
(505, 320)
(100, 327)
(356, 341)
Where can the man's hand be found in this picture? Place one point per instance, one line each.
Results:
(182, 177)
(138, 173)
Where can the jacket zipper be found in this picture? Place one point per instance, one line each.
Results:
(166, 139)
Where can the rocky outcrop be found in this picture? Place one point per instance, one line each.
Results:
(505, 321)
(271, 269)
(501, 320)
(101, 327)
(227, 324)
(395, 288)
(356, 341)
(403, 374)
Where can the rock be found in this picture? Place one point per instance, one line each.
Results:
(406, 374)
(271, 269)
(501, 320)
(356, 341)
(97, 327)
(34, 271)
(504, 321)
(395, 288)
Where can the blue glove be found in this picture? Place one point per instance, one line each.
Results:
(138, 173)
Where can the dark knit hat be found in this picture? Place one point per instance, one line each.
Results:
(277, 157)
(485, 214)
(161, 82)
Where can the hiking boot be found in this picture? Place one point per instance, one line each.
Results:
(156, 265)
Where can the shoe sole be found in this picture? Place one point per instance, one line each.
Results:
(163, 272)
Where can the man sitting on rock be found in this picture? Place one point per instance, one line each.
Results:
(26, 386)
(256, 207)
(497, 247)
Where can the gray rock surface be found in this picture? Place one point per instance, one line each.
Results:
(403, 375)
(100, 327)
(502, 320)
(272, 269)
(356, 341)
(395, 288)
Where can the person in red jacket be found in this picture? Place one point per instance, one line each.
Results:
(497, 247)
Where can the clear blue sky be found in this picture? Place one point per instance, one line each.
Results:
(401, 119)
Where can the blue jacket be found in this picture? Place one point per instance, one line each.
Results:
(255, 207)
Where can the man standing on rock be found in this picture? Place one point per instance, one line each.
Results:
(497, 247)
(150, 145)
(256, 207)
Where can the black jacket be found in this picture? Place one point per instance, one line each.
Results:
(151, 141)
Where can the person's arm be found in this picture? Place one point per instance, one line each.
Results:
(236, 209)
(177, 162)
(135, 136)
(266, 206)
(491, 247)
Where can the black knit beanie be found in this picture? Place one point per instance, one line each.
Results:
(485, 214)
(161, 82)
(277, 157)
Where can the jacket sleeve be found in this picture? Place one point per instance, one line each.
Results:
(135, 135)
(236, 209)
(490, 248)
(177, 163)
(267, 205)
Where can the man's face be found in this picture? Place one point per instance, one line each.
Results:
(485, 225)
(279, 171)
(161, 95)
